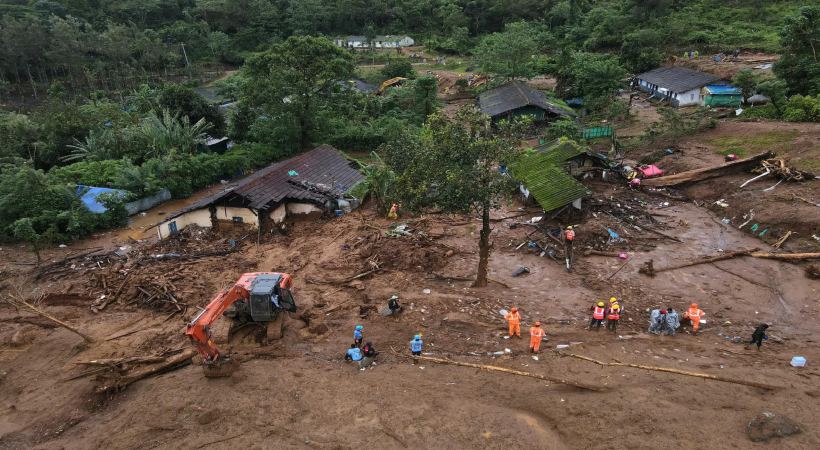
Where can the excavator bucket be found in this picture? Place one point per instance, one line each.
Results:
(223, 367)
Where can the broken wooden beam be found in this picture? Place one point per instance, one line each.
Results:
(705, 173)
(651, 271)
(675, 371)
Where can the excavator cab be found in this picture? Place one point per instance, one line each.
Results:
(267, 297)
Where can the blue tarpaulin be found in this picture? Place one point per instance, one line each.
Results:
(89, 195)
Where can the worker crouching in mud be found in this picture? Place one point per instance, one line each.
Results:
(369, 355)
(597, 320)
(354, 354)
(695, 315)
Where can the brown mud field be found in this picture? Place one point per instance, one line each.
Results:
(298, 392)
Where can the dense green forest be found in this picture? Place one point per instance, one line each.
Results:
(100, 92)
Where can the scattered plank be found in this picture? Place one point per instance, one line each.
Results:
(782, 239)
(675, 371)
(705, 173)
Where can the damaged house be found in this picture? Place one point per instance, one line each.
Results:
(677, 85)
(546, 174)
(309, 185)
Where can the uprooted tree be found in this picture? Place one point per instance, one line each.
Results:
(453, 165)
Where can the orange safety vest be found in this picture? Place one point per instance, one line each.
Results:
(613, 315)
(537, 332)
(598, 313)
(514, 318)
(693, 314)
(569, 234)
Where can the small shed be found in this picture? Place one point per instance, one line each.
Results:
(722, 96)
(517, 99)
(308, 185)
(677, 85)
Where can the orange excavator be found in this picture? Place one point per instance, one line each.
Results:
(256, 298)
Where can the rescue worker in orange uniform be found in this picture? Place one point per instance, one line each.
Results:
(598, 311)
(514, 319)
(694, 314)
(613, 316)
(536, 334)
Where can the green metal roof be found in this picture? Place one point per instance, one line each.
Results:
(548, 183)
(558, 152)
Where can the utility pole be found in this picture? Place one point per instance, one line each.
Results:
(187, 63)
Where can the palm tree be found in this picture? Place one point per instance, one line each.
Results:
(169, 133)
(97, 146)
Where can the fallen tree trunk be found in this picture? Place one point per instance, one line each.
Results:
(174, 362)
(676, 371)
(706, 172)
(701, 261)
(20, 302)
(753, 253)
(504, 370)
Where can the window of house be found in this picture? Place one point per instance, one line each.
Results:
(691, 96)
(172, 228)
(237, 219)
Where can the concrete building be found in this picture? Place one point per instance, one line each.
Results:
(309, 185)
(677, 85)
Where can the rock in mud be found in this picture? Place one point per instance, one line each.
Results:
(767, 425)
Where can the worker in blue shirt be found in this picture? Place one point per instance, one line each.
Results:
(354, 354)
(357, 336)
(416, 346)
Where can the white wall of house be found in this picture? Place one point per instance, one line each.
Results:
(295, 209)
(228, 213)
(200, 217)
(406, 41)
(278, 215)
(688, 98)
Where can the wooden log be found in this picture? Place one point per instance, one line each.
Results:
(675, 371)
(504, 370)
(712, 259)
(126, 360)
(786, 256)
(172, 363)
(705, 173)
(20, 302)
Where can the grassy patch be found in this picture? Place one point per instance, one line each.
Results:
(744, 144)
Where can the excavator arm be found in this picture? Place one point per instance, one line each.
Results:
(199, 329)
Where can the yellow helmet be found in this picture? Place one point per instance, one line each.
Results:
(569, 227)
(601, 304)
(612, 299)
(616, 306)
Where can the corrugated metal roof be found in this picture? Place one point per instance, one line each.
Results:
(678, 79)
(514, 95)
(551, 186)
(312, 177)
(722, 89)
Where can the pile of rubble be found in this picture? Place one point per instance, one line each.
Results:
(150, 276)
